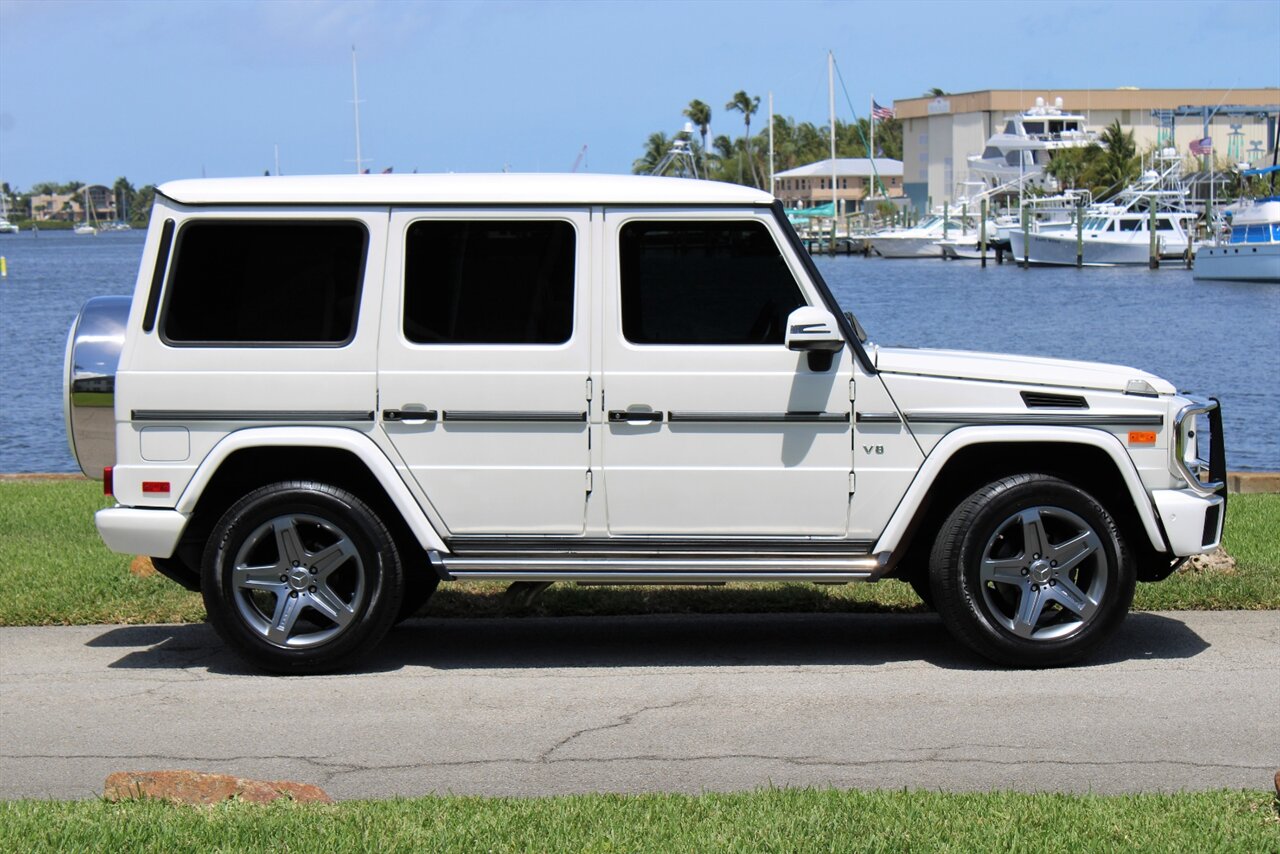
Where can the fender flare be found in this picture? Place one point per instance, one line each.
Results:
(338, 438)
(965, 437)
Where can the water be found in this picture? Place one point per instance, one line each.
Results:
(1213, 338)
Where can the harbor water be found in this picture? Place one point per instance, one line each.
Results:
(1208, 338)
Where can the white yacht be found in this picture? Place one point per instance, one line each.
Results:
(1028, 143)
(1118, 232)
(919, 241)
(1252, 251)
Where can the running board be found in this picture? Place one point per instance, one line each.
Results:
(646, 570)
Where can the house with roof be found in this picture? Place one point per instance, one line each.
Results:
(854, 178)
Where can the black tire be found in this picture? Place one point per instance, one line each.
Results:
(1031, 571)
(301, 577)
(419, 584)
(918, 578)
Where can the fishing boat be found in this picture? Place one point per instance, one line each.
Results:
(1117, 232)
(1028, 143)
(1251, 252)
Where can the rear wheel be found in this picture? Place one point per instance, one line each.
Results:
(301, 577)
(1031, 571)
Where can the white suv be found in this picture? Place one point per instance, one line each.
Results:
(328, 394)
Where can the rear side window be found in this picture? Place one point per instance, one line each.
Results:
(282, 283)
(489, 282)
(704, 283)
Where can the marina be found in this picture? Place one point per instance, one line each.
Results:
(1120, 315)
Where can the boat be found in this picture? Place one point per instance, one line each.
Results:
(6, 227)
(1252, 250)
(1028, 143)
(89, 226)
(919, 241)
(1117, 232)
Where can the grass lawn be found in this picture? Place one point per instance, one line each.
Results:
(55, 570)
(768, 820)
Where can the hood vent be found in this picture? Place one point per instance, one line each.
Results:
(1048, 400)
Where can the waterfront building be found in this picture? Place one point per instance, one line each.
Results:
(939, 134)
(810, 185)
(70, 206)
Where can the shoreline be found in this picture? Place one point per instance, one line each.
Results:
(1238, 482)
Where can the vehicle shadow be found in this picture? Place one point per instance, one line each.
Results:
(666, 640)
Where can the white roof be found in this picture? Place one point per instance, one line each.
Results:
(845, 166)
(503, 188)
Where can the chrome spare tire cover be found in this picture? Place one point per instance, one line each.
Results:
(89, 381)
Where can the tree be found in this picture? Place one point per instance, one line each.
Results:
(935, 92)
(655, 148)
(123, 192)
(140, 205)
(700, 114)
(747, 105)
(1118, 163)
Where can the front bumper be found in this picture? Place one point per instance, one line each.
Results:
(1192, 522)
(138, 531)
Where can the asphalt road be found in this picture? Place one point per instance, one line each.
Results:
(672, 703)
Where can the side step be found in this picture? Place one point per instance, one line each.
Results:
(632, 569)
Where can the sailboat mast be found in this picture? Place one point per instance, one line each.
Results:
(355, 95)
(831, 98)
(771, 187)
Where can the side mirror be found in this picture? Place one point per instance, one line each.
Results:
(810, 329)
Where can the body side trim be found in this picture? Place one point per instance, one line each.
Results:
(497, 415)
(964, 437)
(338, 438)
(759, 417)
(248, 415)
(1144, 419)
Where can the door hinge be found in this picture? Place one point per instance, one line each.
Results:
(853, 389)
(853, 483)
(589, 391)
(590, 482)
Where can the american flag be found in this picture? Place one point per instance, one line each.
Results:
(881, 113)
(1201, 147)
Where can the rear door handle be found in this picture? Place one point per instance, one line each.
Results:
(634, 416)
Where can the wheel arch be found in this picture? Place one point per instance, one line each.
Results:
(248, 459)
(968, 458)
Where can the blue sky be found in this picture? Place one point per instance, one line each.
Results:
(161, 90)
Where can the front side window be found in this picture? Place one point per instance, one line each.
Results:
(489, 282)
(265, 282)
(691, 282)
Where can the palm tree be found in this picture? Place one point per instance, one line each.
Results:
(655, 148)
(1118, 164)
(935, 92)
(700, 114)
(747, 105)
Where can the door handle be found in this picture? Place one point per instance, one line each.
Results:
(409, 416)
(634, 416)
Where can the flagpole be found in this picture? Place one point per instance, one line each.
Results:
(872, 152)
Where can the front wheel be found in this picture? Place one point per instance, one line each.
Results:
(1031, 571)
(301, 577)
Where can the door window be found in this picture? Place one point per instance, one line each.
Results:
(694, 282)
(489, 282)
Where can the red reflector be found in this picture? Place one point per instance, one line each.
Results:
(155, 486)
(1142, 437)
(108, 482)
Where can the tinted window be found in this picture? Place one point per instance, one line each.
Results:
(704, 283)
(489, 282)
(265, 282)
